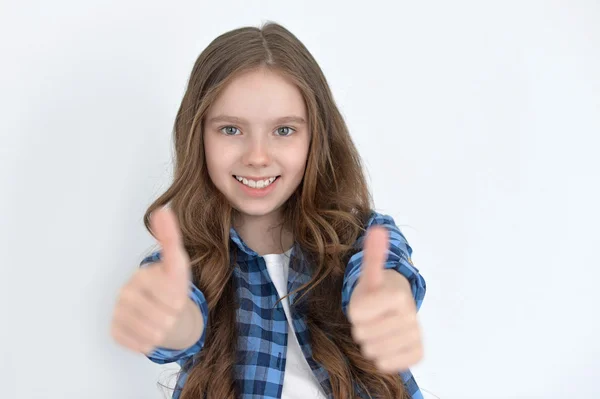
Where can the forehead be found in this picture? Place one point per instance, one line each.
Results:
(259, 95)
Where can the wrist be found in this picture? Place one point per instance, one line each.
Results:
(398, 279)
(187, 328)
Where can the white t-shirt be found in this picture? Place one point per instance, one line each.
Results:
(299, 382)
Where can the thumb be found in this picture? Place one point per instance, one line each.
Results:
(175, 260)
(374, 257)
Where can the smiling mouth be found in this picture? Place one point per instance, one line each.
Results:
(257, 185)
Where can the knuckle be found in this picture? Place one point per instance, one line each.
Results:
(128, 292)
(411, 320)
(419, 353)
(364, 351)
(350, 314)
(138, 343)
(146, 347)
(114, 332)
(359, 334)
(142, 278)
(122, 291)
(120, 339)
(127, 321)
(354, 314)
(125, 295)
(416, 336)
(368, 351)
(381, 364)
(118, 313)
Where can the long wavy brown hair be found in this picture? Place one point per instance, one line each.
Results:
(326, 214)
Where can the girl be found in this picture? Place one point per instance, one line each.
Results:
(275, 278)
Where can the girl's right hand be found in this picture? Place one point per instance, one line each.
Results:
(151, 303)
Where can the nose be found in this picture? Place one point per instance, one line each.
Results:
(257, 153)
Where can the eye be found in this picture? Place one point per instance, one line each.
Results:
(287, 132)
(228, 132)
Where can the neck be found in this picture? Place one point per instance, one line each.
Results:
(264, 234)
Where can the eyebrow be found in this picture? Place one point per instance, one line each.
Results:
(235, 119)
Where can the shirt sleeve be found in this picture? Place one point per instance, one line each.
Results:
(162, 355)
(399, 259)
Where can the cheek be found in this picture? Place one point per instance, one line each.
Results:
(217, 160)
(214, 164)
(211, 163)
(300, 167)
(296, 159)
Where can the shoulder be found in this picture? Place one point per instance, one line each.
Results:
(398, 241)
(378, 218)
(152, 258)
(381, 219)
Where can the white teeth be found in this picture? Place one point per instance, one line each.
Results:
(256, 184)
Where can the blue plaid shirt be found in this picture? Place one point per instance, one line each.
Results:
(263, 355)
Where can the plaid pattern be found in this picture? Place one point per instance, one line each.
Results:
(262, 326)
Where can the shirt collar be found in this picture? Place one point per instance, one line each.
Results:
(247, 253)
(299, 272)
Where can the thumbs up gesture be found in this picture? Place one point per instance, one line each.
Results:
(382, 310)
(153, 301)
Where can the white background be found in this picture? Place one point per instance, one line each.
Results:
(479, 123)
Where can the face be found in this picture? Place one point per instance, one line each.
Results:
(257, 132)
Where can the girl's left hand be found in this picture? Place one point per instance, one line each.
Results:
(382, 310)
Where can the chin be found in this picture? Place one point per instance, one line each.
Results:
(254, 207)
(254, 210)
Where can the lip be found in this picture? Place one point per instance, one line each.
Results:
(257, 192)
(256, 178)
